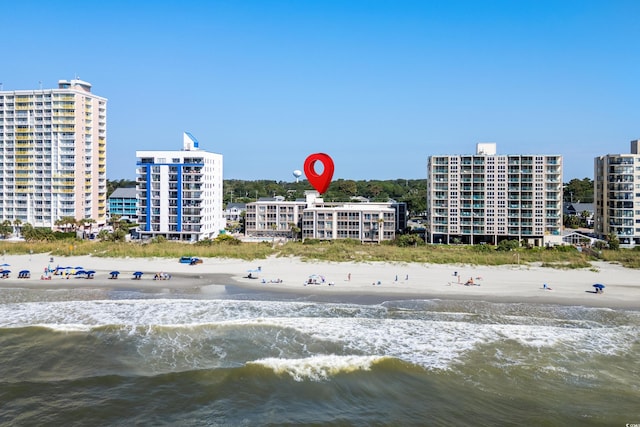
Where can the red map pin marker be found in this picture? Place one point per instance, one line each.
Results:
(319, 182)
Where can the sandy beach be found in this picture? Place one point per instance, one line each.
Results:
(514, 283)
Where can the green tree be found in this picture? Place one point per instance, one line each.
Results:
(6, 229)
(66, 223)
(613, 241)
(295, 231)
(406, 240)
(122, 183)
(578, 190)
(571, 221)
(114, 220)
(348, 187)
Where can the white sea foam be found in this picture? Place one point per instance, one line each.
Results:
(302, 330)
(318, 368)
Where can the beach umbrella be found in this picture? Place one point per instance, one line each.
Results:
(90, 272)
(115, 272)
(5, 265)
(24, 271)
(599, 286)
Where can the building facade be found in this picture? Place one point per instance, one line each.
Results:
(485, 198)
(315, 219)
(616, 196)
(123, 202)
(366, 222)
(180, 193)
(273, 217)
(53, 154)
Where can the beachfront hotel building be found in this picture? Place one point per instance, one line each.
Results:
(123, 204)
(180, 193)
(53, 154)
(485, 198)
(367, 222)
(616, 196)
(272, 217)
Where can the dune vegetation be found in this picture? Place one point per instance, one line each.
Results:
(336, 251)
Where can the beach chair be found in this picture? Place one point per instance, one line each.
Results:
(5, 274)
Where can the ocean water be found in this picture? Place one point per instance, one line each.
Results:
(228, 358)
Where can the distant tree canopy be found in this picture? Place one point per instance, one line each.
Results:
(120, 183)
(579, 190)
(411, 191)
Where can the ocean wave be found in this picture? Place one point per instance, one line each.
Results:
(179, 334)
(319, 367)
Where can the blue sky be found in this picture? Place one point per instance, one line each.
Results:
(378, 85)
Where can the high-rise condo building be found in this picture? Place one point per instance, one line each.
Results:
(616, 196)
(53, 154)
(180, 193)
(487, 198)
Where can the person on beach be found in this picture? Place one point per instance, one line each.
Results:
(469, 282)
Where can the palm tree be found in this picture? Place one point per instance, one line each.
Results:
(380, 228)
(66, 223)
(114, 219)
(295, 231)
(17, 222)
(273, 227)
(89, 221)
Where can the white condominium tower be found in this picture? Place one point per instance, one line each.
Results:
(487, 198)
(53, 154)
(180, 193)
(616, 196)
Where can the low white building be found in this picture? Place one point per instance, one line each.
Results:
(315, 219)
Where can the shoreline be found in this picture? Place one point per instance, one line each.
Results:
(375, 281)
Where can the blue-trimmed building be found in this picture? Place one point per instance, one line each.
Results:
(180, 193)
(124, 203)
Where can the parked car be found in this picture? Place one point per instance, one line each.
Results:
(190, 260)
